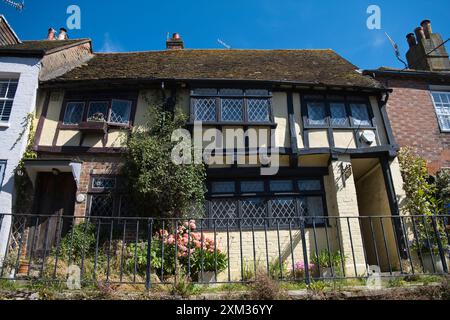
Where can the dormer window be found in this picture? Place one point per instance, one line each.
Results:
(238, 106)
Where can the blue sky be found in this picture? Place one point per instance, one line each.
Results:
(136, 25)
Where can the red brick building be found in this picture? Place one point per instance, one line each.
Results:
(419, 105)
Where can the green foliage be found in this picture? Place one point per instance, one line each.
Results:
(327, 259)
(208, 259)
(420, 193)
(423, 199)
(79, 242)
(161, 187)
(443, 185)
(22, 183)
(276, 271)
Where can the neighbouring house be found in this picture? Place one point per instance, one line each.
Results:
(23, 65)
(337, 153)
(419, 105)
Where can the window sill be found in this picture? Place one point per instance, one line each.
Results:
(231, 124)
(4, 125)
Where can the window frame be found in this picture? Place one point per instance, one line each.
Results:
(87, 103)
(6, 99)
(269, 195)
(443, 130)
(3, 165)
(117, 194)
(327, 100)
(218, 97)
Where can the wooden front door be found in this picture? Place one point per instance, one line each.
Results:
(54, 205)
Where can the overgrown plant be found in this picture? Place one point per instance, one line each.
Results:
(161, 187)
(79, 242)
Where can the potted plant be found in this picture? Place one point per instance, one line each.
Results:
(205, 263)
(328, 264)
(298, 270)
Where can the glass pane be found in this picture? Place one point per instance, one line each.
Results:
(313, 207)
(252, 186)
(224, 213)
(436, 97)
(98, 111)
(5, 110)
(104, 183)
(444, 98)
(101, 206)
(360, 114)
(338, 114)
(256, 92)
(74, 113)
(254, 213)
(231, 92)
(223, 187)
(232, 110)
(205, 92)
(12, 89)
(120, 111)
(316, 113)
(258, 110)
(281, 186)
(309, 185)
(284, 211)
(444, 120)
(205, 109)
(8, 88)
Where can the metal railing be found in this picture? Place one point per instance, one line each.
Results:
(146, 251)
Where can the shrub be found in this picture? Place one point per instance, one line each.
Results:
(298, 271)
(277, 271)
(327, 259)
(265, 288)
(79, 242)
(207, 260)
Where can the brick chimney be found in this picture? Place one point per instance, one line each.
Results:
(175, 43)
(421, 44)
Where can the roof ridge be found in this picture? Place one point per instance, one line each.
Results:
(210, 50)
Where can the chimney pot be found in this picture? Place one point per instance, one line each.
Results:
(51, 34)
(426, 25)
(175, 43)
(63, 34)
(420, 34)
(411, 38)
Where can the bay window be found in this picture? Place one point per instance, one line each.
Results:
(441, 101)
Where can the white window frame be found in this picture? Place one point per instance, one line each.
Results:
(2, 100)
(438, 115)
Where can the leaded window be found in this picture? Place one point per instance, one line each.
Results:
(360, 114)
(98, 111)
(74, 113)
(441, 101)
(265, 203)
(120, 111)
(106, 197)
(338, 114)
(317, 113)
(8, 90)
(231, 105)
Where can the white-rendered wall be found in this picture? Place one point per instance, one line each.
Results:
(27, 70)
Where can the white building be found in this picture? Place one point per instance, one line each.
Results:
(22, 66)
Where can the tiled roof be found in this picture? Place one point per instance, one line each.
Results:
(322, 67)
(40, 46)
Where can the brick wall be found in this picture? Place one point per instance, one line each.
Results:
(414, 121)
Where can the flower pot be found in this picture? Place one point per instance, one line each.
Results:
(207, 277)
(326, 273)
(428, 263)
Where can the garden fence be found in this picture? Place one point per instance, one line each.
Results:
(148, 251)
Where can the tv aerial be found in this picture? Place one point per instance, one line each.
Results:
(396, 49)
(18, 5)
(223, 44)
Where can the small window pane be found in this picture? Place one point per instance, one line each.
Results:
(120, 111)
(284, 211)
(205, 92)
(224, 213)
(8, 88)
(258, 110)
(442, 107)
(104, 183)
(205, 109)
(360, 114)
(254, 213)
(256, 92)
(252, 186)
(309, 185)
(316, 113)
(98, 111)
(223, 187)
(232, 110)
(101, 206)
(338, 114)
(313, 207)
(231, 92)
(281, 186)
(5, 110)
(74, 113)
